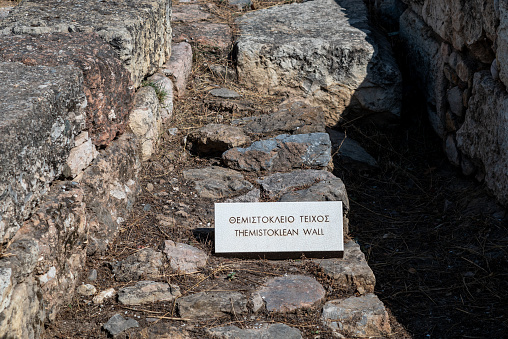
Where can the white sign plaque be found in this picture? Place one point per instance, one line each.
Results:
(279, 229)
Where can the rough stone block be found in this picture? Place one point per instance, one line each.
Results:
(322, 50)
(142, 264)
(148, 292)
(145, 120)
(204, 33)
(484, 135)
(211, 304)
(166, 95)
(108, 89)
(189, 13)
(216, 139)
(217, 182)
(179, 67)
(278, 184)
(138, 30)
(183, 257)
(273, 331)
(41, 111)
(283, 152)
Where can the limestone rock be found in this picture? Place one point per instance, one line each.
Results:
(292, 292)
(273, 331)
(165, 94)
(6, 287)
(183, 257)
(4, 11)
(86, 290)
(326, 190)
(148, 292)
(280, 183)
(363, 316)
(143, 264)
(80, 157)
(106, 294)
(283, 152)
(179, 67)
(293, 117)
(106, 83)
(211, 305)
(204, 33)
(145, 120)
(484, 134)
(216, 182)
(216, 138)
(322, 50)
(251, 196)
(140, 38)
(38, 129)
(349, 151)
(351, 272)
(117, 324)
(224, 93)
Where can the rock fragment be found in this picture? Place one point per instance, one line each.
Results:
(143, 264)
(273, 331)
(349, 151)
(224, 93)
(183, 257)
(280, 183)
(99, 298)
(216, 139)
(86, 289)
(212, 304)
(117, 324)
(292, 292)
(205, 34)
(179, 67)
(148, 292)
(217, 182)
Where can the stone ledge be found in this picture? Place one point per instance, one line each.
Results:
(138, 30)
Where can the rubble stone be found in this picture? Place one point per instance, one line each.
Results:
(118, 324)
(148, 292)
(280, 183)
(216, 139)
(273, 331)
(184, 258)
(143, 264)
(211, 305)
(217, 182)
(179, 67)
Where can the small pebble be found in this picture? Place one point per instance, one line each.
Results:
(86, 289)
(92, 276)
(149, 187)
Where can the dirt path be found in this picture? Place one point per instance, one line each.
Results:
(435, 240)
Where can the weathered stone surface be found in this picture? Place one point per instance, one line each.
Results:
(251, 196)
(106, 83)
(325, 190)
(143, 264)
(484, 135)
(240, 4)
(145, 120)
(189, 13)
(224, 93)
(351, 273)
(117, 324)
(179, 67)
(58, 231)
(293, 117)
(216, 182)
(166, 96)
(350, 151)
(86, 290)
(102, 295)
(41, 111)
(204, 33)
(322, 50)
(363, 316)
(4, 11)
(211, 305)
(502, 42)
(111, 185)
(290, 293)
(273, 331)
(278, 184)
(184, 258)
(161, 330)
(23, 316)
(80, 156)
(140, 38)
(283, 152)
(148, 292)
(216, 139)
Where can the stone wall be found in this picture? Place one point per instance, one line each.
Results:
(69, 162)
(459, 53)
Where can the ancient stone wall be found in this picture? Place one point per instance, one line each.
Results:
(459, 53)
(69, 162)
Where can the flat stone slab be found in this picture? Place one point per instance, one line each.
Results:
(283, 152)
(294, 117)
(117, 324)
(141, 265)
(353, 317)
(292, 292)
(140, 38)
(204, 33)
(148, 292)
(217, 182)
(322, 50)
(189, 13)
(38, 129)
(352, 272)
(216, 139)
(224, 93)
(161, 330)
(212, 305)
(184, 258)
(349, 151)
(107, 84)
(278, 184)
(273, 331)
(179, 67)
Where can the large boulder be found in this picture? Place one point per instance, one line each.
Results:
(323, 50)
(138, 30)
